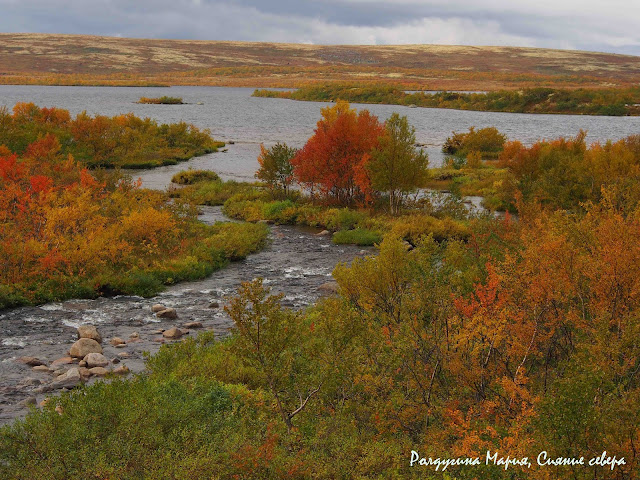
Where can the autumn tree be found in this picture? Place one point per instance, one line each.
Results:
(333, 161)
(396, 167)
(275, 166)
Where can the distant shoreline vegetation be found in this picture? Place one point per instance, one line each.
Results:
(610, 102)
(164, 100)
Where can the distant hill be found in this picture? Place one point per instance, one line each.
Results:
(81, 59)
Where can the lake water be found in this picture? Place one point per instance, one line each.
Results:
(233, 115)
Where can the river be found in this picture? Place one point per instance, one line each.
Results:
(296, 262)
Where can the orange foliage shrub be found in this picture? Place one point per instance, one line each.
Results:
(333, 161)
(64, 233)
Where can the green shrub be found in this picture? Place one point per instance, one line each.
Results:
(359, 236)
(237, 240)
(139, 429)
(486, 142)
(342, 219)
(414, 227)
(282, 212)
(164, 100)
(189, 177)
(211, 192)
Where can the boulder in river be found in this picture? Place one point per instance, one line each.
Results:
(96, 360)
(89, 331)
(41, 368)
(98, 371)
(169, 313)
(29, 382)
(214, 305)
(115, 341)
(323, 233)
(193, 325)
(31, 361)
(28, 401)
(172, 333)
(158, 307)
(121, 370)
(84, 347)
(62, 361)
(69, 379)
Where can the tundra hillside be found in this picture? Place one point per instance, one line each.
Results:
(52, 59)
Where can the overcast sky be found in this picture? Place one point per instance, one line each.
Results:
(608, 26)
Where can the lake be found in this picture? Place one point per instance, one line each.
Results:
(232, 114)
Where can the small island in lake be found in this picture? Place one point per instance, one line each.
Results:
(164, 100)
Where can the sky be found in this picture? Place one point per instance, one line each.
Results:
(605, 26)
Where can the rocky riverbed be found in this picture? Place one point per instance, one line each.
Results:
(297, 262)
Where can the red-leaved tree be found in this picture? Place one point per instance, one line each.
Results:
(333, 161)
